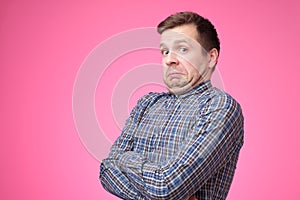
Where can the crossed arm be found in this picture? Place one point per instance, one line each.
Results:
(214, 138)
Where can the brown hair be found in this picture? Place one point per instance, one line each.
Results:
(208, 36)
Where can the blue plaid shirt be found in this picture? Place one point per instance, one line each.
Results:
(175, 147)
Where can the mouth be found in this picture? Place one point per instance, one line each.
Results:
(175, 74)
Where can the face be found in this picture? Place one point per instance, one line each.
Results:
(186, 63)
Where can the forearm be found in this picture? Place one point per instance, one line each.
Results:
(137, 171)
(115, 182)
(178, 179)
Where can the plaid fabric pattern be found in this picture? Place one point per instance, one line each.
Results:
(175, 147)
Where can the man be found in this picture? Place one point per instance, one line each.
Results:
(183, 144)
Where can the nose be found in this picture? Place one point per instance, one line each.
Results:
(171, 59)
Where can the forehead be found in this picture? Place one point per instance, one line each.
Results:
(185, 33)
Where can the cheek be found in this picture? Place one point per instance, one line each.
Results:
(164, 70)
(188, 66)
(190, 60)
(193, 72)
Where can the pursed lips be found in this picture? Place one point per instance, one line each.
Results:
(175, 74)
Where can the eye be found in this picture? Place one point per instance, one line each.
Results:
(183, 49)
(165, 52)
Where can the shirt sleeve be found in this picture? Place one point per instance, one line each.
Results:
(115, 182)
(216, 135)
(112, 178)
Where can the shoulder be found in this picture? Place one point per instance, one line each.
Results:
(150, 99)
(216, 99)
(143, 105)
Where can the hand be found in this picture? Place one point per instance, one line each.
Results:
(192, 198)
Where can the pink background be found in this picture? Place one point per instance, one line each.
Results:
(43, 44)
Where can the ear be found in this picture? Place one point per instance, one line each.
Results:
(214, 55)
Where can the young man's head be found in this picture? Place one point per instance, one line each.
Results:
(190, 48)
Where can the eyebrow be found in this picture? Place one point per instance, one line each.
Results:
(176, 41)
